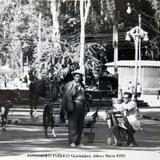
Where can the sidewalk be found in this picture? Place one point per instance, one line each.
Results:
(30, 138)
(151, 113)
(21, 115)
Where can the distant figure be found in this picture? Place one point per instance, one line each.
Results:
(139, 90)
(120, 95)
(25, 79)
(130, 87)
(4, 109)
(5, 80)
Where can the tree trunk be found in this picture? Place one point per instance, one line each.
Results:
(39, 35)
(83, 15)
(115, 46)
(55, 15)
(82, 37)
(55, 7)
(39, 43)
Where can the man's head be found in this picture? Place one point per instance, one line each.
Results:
(78, 76)
(127, 97)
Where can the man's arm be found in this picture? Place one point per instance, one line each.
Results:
(132, 108)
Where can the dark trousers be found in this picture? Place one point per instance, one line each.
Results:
(120, 135)
(4, 116)
(130, 133)
(76, 123)
(124, 135)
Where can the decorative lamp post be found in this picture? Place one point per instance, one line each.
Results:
(137, 34)
(115, 39)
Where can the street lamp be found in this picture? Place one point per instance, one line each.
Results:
(128, 8)
(137, 34)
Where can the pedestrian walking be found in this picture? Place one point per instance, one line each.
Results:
(74, 103)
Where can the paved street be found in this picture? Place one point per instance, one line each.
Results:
(20, 139)
(25, 135)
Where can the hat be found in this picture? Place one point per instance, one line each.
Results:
(78, 72)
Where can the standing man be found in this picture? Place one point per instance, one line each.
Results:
(75, 104)
(139, 90)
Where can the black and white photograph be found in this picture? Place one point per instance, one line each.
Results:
(80, 79)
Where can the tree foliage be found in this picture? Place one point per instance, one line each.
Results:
(19, 22)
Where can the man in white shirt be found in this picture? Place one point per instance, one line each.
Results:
(128, 123)
(139, 90)
(130, 87)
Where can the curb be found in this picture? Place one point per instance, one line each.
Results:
(19, 122)
(151, 118)
(33, 122)
(36, 123)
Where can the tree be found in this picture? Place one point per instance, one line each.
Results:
(84, 10)
(58, 39)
